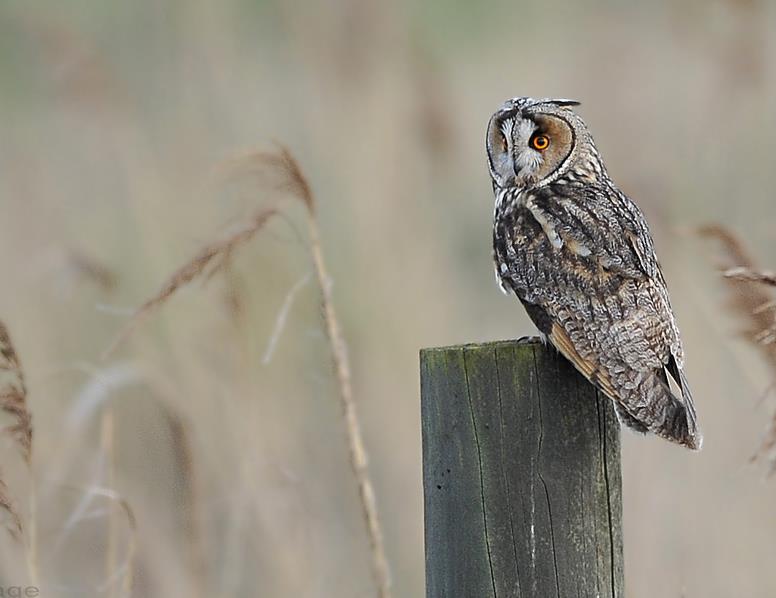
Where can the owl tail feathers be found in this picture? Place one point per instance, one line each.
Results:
(679, 426)
(662, 413)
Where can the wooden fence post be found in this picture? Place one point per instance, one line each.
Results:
(521, 476)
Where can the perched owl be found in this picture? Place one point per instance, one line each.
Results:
(578, 254)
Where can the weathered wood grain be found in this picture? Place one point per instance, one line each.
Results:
(521, 476)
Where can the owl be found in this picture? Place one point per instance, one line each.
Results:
(578, 254)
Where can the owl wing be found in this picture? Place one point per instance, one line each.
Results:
(609, 310)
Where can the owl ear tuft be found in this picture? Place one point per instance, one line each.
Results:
(563, 102)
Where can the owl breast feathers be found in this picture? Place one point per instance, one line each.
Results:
(578, 254)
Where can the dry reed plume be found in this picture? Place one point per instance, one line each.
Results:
(13, 395)
(752, 299)
(209, 260)
(14, 522)
(280, 173)
(13, 402)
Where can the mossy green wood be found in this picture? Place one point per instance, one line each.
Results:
(521, 476)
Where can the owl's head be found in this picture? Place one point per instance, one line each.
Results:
(533, 142)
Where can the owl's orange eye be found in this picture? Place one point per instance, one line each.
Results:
(540, 142)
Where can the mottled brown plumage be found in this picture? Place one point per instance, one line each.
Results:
(579, 255)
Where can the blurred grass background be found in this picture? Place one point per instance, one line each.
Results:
(114, 118)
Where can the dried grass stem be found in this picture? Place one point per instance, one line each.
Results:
(339, 355)
(358, 458)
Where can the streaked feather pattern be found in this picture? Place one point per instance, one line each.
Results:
(579, 255)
